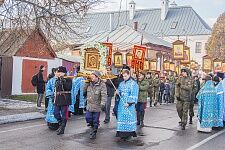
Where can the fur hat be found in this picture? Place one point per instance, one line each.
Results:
(62, 69)
(220, 75)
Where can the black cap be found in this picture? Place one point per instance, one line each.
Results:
(62, 69)
(184, 70)
(41, 67)
(126, 68)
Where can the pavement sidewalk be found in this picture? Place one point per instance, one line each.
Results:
(16, 110)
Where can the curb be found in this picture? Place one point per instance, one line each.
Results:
(21, 117)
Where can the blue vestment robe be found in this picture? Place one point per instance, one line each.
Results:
(127, 120)
(50, 88)
(220, 103)
(208, 106)
(77, 86)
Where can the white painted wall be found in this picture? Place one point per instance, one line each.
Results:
(17, 71)
(191, 42)
(17, 75)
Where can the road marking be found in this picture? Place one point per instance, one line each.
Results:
(80, 118)
(22, 128)
(205, 140)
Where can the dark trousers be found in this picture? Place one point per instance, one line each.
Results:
(107, 108)
(160, 97)
(61, 113)
(46, 102)
(93, 118)
(140, 108)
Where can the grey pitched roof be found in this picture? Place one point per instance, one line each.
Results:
(11, 41)
(188, 22)
(125, 37)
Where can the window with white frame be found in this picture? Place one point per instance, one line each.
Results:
(198, 47)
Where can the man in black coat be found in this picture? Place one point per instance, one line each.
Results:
(62, 99)
(40, 86)
(110, 93)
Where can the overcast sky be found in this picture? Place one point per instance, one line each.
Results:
(209, 10)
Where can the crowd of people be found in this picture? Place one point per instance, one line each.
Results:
(131, 93)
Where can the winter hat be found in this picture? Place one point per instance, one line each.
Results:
(184, 70)
(62, 69)
(41, 67)
(96, 73)
(220, 75)
(126, 68)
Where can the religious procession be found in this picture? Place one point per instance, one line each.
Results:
(93, 89)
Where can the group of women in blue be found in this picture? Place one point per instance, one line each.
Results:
(211, 102)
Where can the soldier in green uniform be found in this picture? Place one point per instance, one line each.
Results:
(150, 89)
(192, 101)
(183, 93)
(156, 84)
(142, 98)
(172, 82)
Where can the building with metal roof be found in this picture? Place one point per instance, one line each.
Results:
(168, 22)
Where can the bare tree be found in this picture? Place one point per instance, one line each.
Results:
(60, 20)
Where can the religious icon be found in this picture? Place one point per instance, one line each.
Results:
(207, 64)
(153, 65)
(92, 61)
(186, 56)
(138, 54)
(129, 60)
(178, 50)
(217, 66)
(146, 65)
(118, 60)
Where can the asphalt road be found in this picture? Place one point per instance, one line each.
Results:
(162, 132)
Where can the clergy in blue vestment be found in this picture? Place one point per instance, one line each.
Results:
(207, 105)
(128, 92)
(222, 89)
(219, 99)
(50, 119)
(77, 94)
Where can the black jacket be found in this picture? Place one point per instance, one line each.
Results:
(63, 91)
(40, 83)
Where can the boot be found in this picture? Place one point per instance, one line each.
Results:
(190, 120)
(150, 103)
(93, 134)
(62, 128)
(138, 118)
(183, 126)
(142, 119)
(59, 126)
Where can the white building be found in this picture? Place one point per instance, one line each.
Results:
(168, 22)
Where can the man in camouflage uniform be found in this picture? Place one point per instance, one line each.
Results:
(192, 101)
(156, 84)
(150, 89)
(172, 82)
(183, 93)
